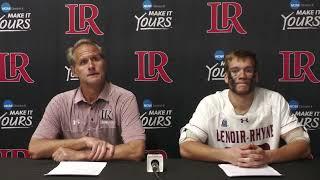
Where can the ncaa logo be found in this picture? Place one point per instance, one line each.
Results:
(295, 4)
(147, 104)
(147, 5)
(219, 55)
(5, 7)
(7, 104)
(294, 105)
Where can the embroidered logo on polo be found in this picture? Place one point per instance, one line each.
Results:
(76, 122)
(105, 116)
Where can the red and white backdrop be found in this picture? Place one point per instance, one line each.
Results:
(168, 53)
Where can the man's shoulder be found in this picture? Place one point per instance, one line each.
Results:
(117, 91)
(268, 96)
(217, 98)
(64, 97)
(217, 94)
(267, 93)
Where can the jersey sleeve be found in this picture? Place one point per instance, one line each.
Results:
(289, 121)
(198, 124)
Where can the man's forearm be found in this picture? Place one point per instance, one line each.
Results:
(198, 151)
(44, 148)
(296, 150)
(133, 150)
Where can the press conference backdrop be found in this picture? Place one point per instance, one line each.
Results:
(169, 53)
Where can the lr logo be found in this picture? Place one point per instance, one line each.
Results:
(153, 71)
(85, 23)
(228, 21)
(17, 64)
(300, 71)
(14, 153)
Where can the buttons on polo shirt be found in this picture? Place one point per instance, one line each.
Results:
(93, 122)
(91, 115)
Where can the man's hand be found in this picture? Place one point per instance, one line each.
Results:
(65, 154)
(248, 155)
(99, 149)
(235, 153)
(253, 156)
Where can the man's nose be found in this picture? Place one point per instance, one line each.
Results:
(91, 63)
(242, 74)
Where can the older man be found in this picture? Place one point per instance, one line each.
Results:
(97, 121)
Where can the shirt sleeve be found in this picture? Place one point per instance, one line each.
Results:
(49, 126)
(289, 121)
(198, 124)
(131, 126)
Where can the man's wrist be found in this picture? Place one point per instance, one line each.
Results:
(83, 142)
(269, 156)
(222, 154)
(83, 155)
(111, 156)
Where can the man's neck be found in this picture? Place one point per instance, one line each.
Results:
(241, 103)
(91, 92)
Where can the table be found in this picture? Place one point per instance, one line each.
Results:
(175, 169)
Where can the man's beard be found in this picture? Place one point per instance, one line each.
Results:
(233, 85)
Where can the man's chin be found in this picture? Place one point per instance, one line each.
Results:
(242, 91)
(94, 81)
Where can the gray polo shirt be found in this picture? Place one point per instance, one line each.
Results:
(113, 117)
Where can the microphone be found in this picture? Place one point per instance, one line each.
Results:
(154, 163)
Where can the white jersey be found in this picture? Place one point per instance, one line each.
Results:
(215, 122)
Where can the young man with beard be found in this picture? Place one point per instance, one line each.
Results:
(98, 121)
(243, 125)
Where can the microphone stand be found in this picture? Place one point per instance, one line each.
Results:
(155, 168)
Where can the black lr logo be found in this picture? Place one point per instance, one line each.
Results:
(105, 114)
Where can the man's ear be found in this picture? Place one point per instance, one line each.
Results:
(74, 73)
(225, 77)
(256, 77)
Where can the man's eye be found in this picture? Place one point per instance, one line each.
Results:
(249, 70)
(234, 71)
(94, 58)
(82, 62)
